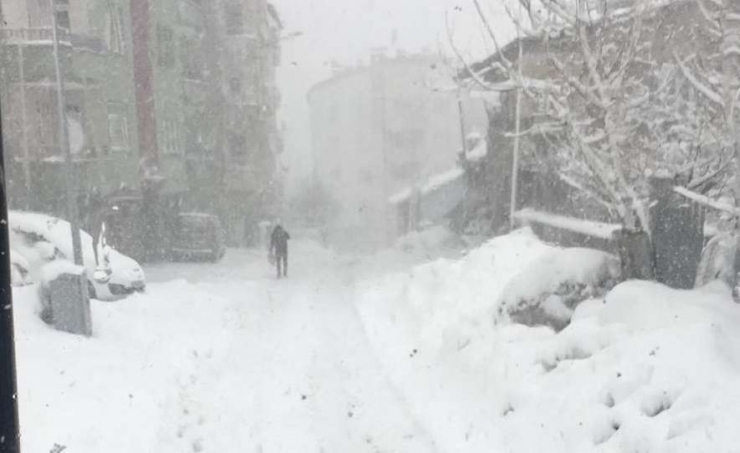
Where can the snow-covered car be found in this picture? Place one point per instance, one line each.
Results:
(20, 274)
(198, 235)
(40, 239)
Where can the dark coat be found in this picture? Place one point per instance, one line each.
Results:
(279, 240)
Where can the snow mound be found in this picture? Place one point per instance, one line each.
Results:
(547, 291)
(649, 306)
(647, 368)
(117, 391)
(428, 240)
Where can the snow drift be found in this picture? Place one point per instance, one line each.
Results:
(645, 368)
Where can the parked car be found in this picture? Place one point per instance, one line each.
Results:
(40, 238)
(20, 275)
(198, 236)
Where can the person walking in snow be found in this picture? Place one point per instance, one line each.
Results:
(279, 249)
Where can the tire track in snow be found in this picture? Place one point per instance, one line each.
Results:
(295, 373)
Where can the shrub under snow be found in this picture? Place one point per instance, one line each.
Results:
(548, 290)
(645, 369)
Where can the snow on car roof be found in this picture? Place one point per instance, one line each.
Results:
(53, 230)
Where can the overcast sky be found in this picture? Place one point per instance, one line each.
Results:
(346, 31)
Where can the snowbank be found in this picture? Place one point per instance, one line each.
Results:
(428, 240)
(117, 391)
(647, 368)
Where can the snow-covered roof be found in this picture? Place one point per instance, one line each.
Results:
(431, 184)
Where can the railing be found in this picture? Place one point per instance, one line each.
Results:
(45, 35)
(31, 34)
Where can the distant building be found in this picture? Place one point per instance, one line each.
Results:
(381, 128)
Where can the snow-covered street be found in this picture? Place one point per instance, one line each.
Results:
(375, 354)
(234, 360)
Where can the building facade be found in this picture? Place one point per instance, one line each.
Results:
(250, 33)
(381, 128)
(97, 66)
(172, 102)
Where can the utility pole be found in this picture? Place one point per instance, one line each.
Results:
(72, 214)
(517, 130)
(462, 123)
(72, 292)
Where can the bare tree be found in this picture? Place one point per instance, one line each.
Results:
(610, 108)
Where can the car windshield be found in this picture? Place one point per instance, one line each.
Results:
(369, 226)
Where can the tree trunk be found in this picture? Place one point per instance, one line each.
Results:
(636, 255)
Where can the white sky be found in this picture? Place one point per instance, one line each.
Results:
(347, 30)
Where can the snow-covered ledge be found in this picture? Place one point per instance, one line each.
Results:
(586, 227)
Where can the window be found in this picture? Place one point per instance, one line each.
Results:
(253, 12)
(171, 137)
(235, 85)
(118, 135)
(165, 46)
(234, 16)
(61, 9)
(191, 59)
(116, 27)
(236, 145)
(63, 19)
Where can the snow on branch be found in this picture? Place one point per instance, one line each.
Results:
(706, 201)
(707, 91)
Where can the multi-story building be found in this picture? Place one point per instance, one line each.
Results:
(381, 128)
(248, 60)
(207, 103)
(173, 99)
(95, 54)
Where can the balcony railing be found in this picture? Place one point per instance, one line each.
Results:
(44, 35)
(31, 34)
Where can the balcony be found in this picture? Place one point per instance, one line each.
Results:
(32, 35)
(44, 36)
